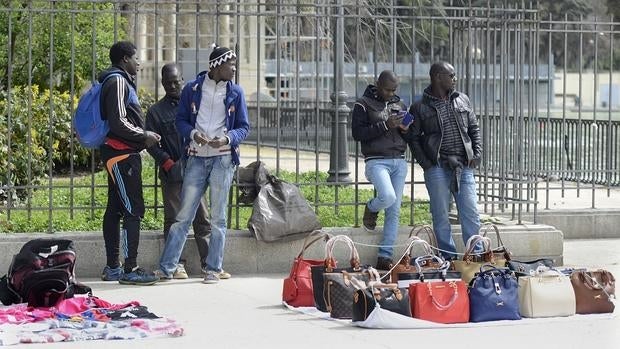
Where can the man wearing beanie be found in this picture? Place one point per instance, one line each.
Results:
(212, 119)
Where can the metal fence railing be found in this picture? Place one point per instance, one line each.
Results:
(544, 85)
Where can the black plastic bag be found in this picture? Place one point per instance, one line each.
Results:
(280, 212)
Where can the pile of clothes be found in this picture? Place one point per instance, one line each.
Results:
(81, 318)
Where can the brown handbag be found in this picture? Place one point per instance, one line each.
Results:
(404, 265)
(501, 254)
(593, 291)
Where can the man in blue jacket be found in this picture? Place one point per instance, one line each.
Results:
(212, 118)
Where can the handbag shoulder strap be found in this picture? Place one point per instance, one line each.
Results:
(311, 239)
(432, 238)
(485, 230)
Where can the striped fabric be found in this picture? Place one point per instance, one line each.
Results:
(451, 142)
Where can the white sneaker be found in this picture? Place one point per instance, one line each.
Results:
(180, 273)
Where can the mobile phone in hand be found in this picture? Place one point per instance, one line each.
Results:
(407, 119)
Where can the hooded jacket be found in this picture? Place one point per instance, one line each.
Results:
(369, 127)
(237, 122)
(120, 106)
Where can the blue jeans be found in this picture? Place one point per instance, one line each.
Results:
(201, 172)
(388, 177)
(437, 180)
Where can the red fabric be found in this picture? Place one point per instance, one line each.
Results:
(445, 302)
(297, 287)
(116, 144)
(167, 164)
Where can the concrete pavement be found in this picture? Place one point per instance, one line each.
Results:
(245, 312)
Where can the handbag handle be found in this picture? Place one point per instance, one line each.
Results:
(330, 262)
(470, 246)
(311, 239)
(500, 244)
(414, 240)
(432, 238)
(450, 302)
(590, 281)
(444, 265)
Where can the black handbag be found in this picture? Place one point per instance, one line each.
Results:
(528, 268)
(389, 297)
(430, 268)
(329, 265)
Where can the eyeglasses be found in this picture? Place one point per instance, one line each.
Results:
(451, 75)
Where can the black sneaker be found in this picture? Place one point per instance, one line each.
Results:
(138, 277)
(384, 263)
(369, 221)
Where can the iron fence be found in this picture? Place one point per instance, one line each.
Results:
(545, 89)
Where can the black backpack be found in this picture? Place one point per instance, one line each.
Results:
(42, 274)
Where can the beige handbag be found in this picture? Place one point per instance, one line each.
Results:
(547, 293)
(471, 263)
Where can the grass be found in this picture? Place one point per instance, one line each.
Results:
(83, 217)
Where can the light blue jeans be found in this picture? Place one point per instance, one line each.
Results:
(201, 173)
(388, 177)
(437, 180)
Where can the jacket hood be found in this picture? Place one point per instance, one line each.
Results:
(116, 70)
(371, 92)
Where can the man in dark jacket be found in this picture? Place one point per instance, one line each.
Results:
(212, 118)
(121, 156)
(445, 140)
(168, 154)
(377, 123)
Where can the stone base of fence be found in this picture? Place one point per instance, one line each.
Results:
(245, 255)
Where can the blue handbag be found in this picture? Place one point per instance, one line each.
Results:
(494, 295)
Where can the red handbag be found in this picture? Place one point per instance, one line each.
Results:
(297, 287)
(445, 302)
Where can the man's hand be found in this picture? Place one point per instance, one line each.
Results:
(200, 138)
(394, 121)
(152, 138)
(218, 142)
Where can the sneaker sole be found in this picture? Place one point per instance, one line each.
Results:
(137, 283)
(368, 230)
(209, 282)
(182, 277)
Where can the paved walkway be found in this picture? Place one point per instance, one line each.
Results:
(245, 312)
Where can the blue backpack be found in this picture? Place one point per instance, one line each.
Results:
(91, 129)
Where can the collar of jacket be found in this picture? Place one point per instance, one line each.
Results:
(231, 93)
(428, 97)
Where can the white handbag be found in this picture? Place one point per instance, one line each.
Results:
(545, 294)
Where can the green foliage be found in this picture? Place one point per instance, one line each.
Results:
(75, 27)
(40, 127)
(76, 192)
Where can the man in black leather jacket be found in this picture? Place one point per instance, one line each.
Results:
(168, 154)
(445, 140)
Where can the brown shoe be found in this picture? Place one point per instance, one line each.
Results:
(384, 263)
(369, 221)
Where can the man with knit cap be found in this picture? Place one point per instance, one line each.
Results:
(212, 118)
